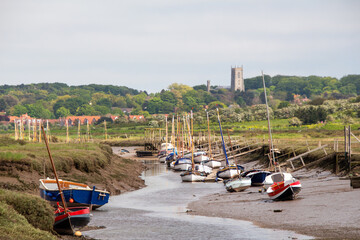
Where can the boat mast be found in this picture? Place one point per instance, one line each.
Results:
(231, 147)
(192, 142)
(53, 166)
(166, 136)
(271, 146)
(209, 133)
(222, 138)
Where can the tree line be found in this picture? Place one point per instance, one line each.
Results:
(54, 100)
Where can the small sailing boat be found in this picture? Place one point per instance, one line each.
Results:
(230, 170)
(238, 184)
(76, 217)
(280, 186)
(211, 162)
(192, 175)
(66, 219)
(75, 194)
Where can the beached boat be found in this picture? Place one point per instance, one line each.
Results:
(257, 176)
(182, 164)
(194, 173)
(229, 171)
(66, 219)
(284, 186)
(192, 176)
(200, 156)
(68, 222)
(213, 163)
(203, 169)
(75, 194)
(238, 184)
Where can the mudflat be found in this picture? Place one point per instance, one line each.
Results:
(326, 207)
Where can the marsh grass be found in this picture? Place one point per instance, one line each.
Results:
(24, 216)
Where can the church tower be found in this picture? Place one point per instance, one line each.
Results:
(237, 80)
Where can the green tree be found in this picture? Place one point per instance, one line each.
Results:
(283, 104)
(19, 110)
(62, 112)
(86, 110)
(104, 102)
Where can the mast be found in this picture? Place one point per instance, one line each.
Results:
(222, 138)
(209, 133)
(237, 170)
(272, 154)
(166, 135)
(192, 142)
(53, 167)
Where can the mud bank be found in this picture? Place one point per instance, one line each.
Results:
(327, 207)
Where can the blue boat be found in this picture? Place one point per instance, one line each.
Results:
(75, 194)
(257, 176)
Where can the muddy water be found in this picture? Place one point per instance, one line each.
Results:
(159, 212)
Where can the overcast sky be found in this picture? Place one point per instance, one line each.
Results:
(149, 44)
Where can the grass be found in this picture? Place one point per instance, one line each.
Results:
(86, 157)
(23, 216)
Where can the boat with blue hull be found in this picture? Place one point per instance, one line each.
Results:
(257, 176)
(75, 194)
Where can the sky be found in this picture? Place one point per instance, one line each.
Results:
(150, 44)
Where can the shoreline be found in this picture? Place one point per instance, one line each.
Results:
(326, 207)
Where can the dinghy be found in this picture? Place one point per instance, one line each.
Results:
(280, 186)
(238, 184)
(257, 176)
(193, 174)
(69, 222)
(283, 186)
(75, 194)
(229, 171)
(182, 164)
(66, 219)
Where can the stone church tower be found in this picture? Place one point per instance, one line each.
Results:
(237, 80)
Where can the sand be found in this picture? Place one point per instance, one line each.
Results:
(326, 207)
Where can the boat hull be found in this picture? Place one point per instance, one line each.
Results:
(191, 177)
(76, 217)
(162, 159)
(238, 185)
(257, 177)
(213, 163)
(200, 158)
(73, 196)
(182, 167)
(229, 172)
(283, 191)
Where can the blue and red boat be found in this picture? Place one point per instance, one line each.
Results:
(66, 222)
(75, 194)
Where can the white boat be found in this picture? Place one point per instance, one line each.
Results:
(200, 156)
(277, 177)
(229, 171)
(203, 169)
(212, 163)
(284, 186)
(182, 164)
(191, 176)
(238, 184)
(162, 158)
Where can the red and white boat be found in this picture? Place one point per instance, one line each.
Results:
(283, 186)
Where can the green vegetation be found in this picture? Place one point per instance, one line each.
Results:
(54, 100)
(23, 216)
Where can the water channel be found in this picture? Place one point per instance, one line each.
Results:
(158, 211)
